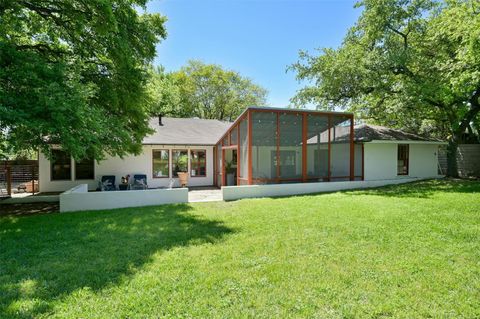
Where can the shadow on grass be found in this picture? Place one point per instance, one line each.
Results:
(46, 257)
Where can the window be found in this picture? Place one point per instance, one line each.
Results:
(160, 163)
(198, 163)
(179, 162)
(402, 163)
(61, 166)
(84, 169)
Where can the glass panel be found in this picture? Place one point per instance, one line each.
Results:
(198, 162)
(225, 141)
(84, 169)
(340, 146)
(243, 159)
(61, 166)
(402, 162)
(290, 151)
(264, 145)
(160, 163)
(317, 146)
(358, 160)
(234, 136)
(179, 162)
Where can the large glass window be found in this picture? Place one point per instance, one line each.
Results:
(402, 163)
(340, 147)
(234, 136)
(290, 146)
(61, 166)
(358, 161)
(198, 163)
(84, 169)
(243, 156)
(160, 163)
(264, 142)
(317, 147)
(179, 162)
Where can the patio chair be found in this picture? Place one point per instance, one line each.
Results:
(107, 183)
(139, 182)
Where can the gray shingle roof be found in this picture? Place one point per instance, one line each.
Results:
(186, 131)
(368, 132)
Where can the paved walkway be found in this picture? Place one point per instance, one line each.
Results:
(204, 194)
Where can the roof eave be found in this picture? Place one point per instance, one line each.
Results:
(406, 142)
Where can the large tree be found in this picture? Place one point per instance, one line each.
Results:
(413, 64)
(203, 90)
(73, 73)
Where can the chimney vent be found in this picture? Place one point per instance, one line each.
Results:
(160, 120)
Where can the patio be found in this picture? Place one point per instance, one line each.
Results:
(204, 194)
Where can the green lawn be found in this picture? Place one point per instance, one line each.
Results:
(406, 252)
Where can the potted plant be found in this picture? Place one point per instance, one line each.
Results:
(182, 167)
(230, 172)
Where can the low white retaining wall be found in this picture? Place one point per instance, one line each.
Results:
(251, 191)
(78, 198)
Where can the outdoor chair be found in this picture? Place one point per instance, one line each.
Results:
(139, 182)
(107, 183)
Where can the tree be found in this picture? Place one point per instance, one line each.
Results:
(73, 73)
(203, 90)
(413, 64)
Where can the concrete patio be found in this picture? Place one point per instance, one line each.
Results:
(204, 194)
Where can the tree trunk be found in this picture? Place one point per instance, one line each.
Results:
(452, 167)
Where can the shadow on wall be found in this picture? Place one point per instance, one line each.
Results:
(46, 257)
(423, 189)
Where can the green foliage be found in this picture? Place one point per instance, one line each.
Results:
(203, 90)
(408, 251)
(73, 73)
(406, 63)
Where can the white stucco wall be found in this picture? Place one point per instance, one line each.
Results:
(78, 198)
(381, 161)
(141, 164)
(256, 191)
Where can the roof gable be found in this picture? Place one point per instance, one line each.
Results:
(187, 131)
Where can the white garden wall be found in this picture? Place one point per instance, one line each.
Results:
(272, 190)
(141, 164)
(78, 198)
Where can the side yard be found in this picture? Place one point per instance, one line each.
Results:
(402, 251)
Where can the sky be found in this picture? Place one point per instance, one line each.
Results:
(257, 38)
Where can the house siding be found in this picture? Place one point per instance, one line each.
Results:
(141, 164)
(381, 161)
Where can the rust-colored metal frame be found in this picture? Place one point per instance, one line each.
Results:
(191, 158)
(169, 157)
(179, 150)
(247, 114)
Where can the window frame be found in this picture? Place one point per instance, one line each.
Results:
(169, 170)
(84, 179)
(406, 160)
(188, 160)
(191, 162)
(53, 163)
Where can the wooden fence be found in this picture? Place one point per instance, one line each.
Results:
(18, 177)
(468, 160)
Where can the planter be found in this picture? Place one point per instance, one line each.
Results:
(183, 179)
(230, 179)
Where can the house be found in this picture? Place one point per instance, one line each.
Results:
(263, 146)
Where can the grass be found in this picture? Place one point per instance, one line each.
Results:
(406, 251)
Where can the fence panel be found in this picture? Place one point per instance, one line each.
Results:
(18, 177)
(468, 160)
